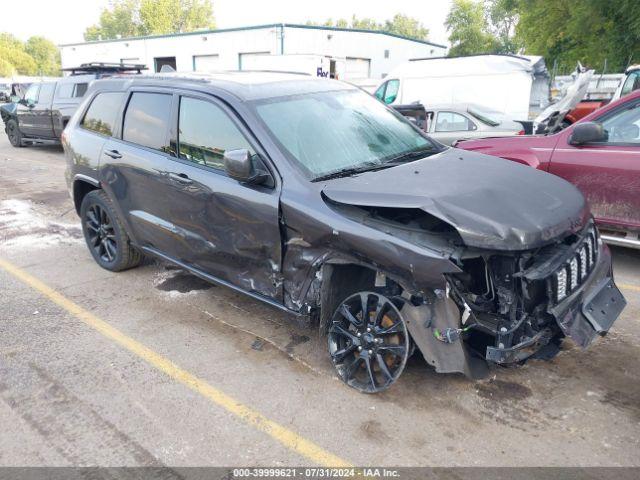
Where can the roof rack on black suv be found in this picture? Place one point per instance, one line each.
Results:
(102, 67)
(46, 107)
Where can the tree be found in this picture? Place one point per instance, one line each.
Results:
(406, 27)
(45, 54)
(589, 31)
(399, 25)
(468, 29)
(14, 57)
(132, 18)
(502, 17)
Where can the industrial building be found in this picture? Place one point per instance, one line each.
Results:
(346, 53)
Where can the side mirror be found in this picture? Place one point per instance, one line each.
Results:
(588, 132)
(240, 166)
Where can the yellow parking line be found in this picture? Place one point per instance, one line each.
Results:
(626, 286)
(286, 437)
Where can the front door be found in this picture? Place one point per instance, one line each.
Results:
(607, 173)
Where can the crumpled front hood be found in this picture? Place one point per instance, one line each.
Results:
(493, 203)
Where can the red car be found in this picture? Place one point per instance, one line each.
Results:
(599, 154)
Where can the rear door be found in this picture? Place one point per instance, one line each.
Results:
(607, 173)
(134, 168)
(25, 111)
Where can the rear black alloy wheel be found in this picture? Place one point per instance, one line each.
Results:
(13, 132)
(105, 234)
(101, 233)
(368, 342)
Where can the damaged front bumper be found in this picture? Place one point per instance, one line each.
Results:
(586, 313)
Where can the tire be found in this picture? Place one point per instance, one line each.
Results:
(368, 342)
(13, 132)
(105, 235)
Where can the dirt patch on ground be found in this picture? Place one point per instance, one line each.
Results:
(295, 341)
(183, 282)
(501, 391)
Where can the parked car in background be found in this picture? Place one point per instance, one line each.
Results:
(5, 92)
(599, 154)
(630, 83)
(42, 114)
(448, 123)
(362, 224)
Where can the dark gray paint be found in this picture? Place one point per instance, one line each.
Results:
(276, 243)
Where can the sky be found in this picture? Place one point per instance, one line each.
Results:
(64, 21)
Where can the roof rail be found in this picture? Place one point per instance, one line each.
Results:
(102, 67)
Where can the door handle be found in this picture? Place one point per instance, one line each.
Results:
(113, 153)
(180, 178)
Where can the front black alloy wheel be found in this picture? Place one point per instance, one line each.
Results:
(368, 342)
(13, 132)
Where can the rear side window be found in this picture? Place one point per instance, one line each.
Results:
(102, 113)
(453, 122)
(206, 132)
(79, 90)
(146, 120)
(65, 90)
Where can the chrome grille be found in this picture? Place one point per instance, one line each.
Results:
(577, 266)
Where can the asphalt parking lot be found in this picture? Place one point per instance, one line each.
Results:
(155, 367)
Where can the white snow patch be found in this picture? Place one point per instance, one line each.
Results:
(21, 226)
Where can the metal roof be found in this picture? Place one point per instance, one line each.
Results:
(256, 27)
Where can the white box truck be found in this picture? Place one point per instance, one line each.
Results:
(515, 86)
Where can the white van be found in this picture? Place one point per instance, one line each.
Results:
(517, 87)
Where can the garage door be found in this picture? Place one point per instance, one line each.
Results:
(251, 60)
(206, 63)
(358, 68)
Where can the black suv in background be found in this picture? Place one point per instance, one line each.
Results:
(312, 196)
(42, 114)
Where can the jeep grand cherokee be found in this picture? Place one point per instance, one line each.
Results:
(312, 196)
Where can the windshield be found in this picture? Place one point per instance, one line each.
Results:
(484, 116)
(334, 131)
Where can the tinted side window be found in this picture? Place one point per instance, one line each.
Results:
(146, 120)
(624, 126)
(391, 93)
(31, 94)
(80, 90)
(46, 93)
(453, 122)
(65, 90)
(102, 113)
(206, 132)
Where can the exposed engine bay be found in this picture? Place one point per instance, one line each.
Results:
(501, 306)
(506, 299)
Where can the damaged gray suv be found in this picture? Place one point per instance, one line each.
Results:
(310, 195)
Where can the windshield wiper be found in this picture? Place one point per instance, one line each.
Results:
(409, 156)
(348, 171)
